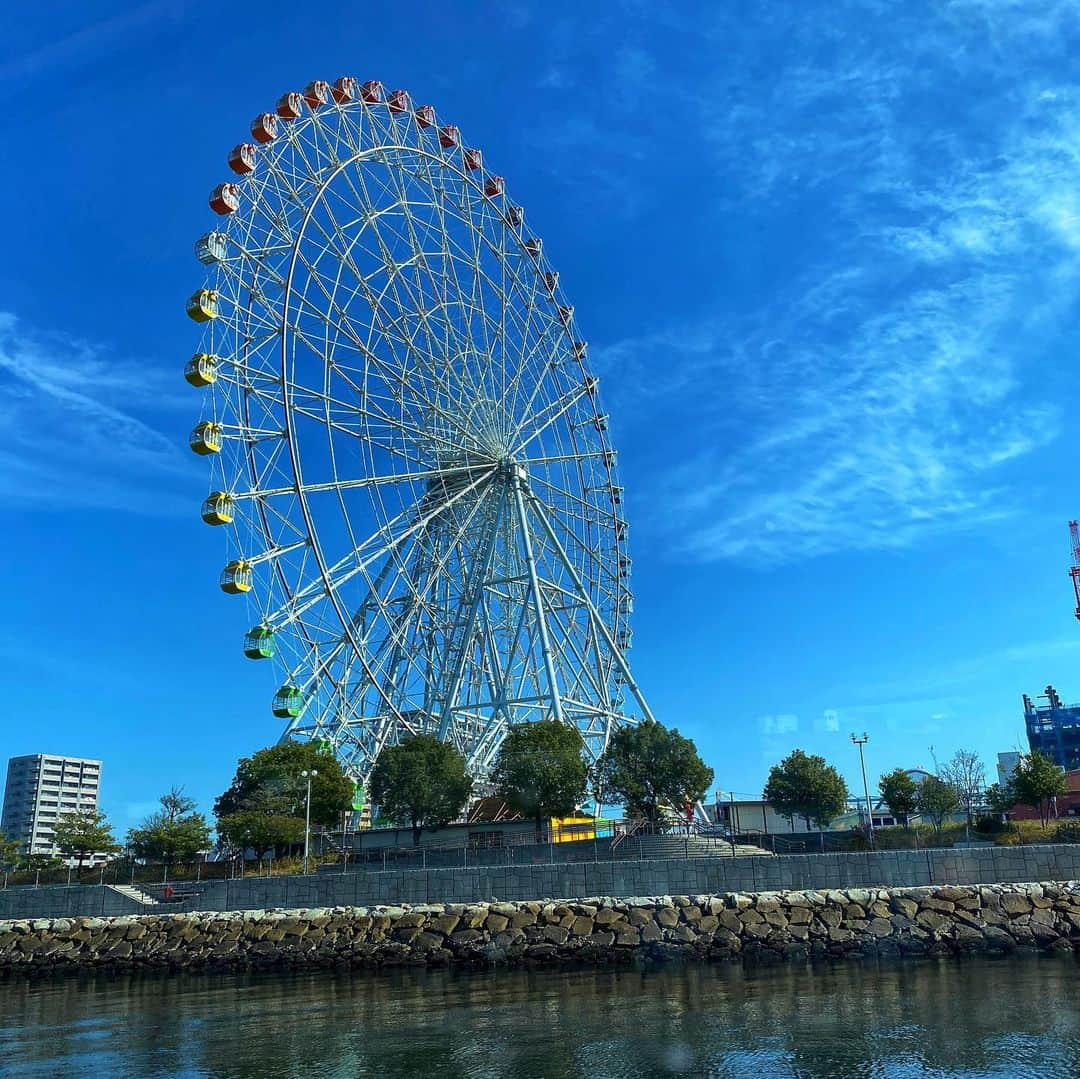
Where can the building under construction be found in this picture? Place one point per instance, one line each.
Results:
(1054, 729)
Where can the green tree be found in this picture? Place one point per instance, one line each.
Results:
(9, 851)
(422, 782)
(1000, 798)
(937, 799)
(173, 833)
(803, 785)
(900, 793)
(1037, 781)
(83, 832)
(647, 767)
(265, 825)
(540, 770)
(966, 774)
(274, 773)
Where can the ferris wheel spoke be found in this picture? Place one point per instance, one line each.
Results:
(345, 485)
(539, 423)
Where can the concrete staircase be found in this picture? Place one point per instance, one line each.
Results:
(682, 846)
(129, 891)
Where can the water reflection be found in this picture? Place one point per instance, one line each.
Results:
(1013, 1017)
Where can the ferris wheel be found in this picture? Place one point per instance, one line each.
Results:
(407, 449)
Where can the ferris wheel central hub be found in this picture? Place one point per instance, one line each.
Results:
(513, 473)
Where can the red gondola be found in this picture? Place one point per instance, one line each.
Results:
(264, 128)
(449, 136)
(425, 116)
(290, 106)
(242, 158)
(495, 186)
(473, 159)
(371, 92)
(317, 93)
(344, 89)
(515, 215)
(225, 199)
(398, 101)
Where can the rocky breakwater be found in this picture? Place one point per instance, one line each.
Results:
(765, 926)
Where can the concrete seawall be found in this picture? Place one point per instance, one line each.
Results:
(683, 876)
(766, 926)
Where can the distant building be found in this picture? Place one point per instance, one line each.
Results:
(757, 815)
(1065, 805)
(41, 788)
(1054, 730)
(1006, 765)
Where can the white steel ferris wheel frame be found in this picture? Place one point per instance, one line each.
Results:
(414, 465)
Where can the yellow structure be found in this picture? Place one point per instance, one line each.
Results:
(572, 829)
(202, 306)
(201, 370)
(218, 508)
(206, 438)
(236, 577)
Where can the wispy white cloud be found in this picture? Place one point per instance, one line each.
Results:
(71, 432)
(886, 392)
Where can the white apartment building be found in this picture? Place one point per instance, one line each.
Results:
(41, 788)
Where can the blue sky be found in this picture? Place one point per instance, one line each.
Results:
(827, 256)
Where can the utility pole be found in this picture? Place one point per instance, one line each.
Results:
(309, 776)
(860, 742)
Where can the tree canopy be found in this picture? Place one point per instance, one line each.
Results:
(540, 770)
(270, 784)
(421, 782)
(83, 832)
(966, 774)
(937, 799)
(9, 851)
(647, 767)
(900, 793)
(1001, 797)
(265, 824)
(1037, 781)
(176, 832)
(803, 785)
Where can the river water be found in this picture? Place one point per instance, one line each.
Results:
(974, 1017)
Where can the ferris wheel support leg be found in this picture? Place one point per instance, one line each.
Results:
(475, 593)
(538, 602)
(598, 622)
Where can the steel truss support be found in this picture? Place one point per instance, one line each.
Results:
(538, 600)
(598, 623)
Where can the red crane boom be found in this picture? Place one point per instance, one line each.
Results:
(1074, 569)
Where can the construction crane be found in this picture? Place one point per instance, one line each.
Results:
(1074, 569)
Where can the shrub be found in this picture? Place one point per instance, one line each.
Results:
(990, 825)
(1067, 832)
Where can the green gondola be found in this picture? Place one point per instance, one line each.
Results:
(259, 643)
(288, 702)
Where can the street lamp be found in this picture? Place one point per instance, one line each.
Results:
(309, 776)
(860, 742)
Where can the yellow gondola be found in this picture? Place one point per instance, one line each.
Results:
(206, 438)
(202, 306)
(218, 508)
(201, 370)
(236, 577)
